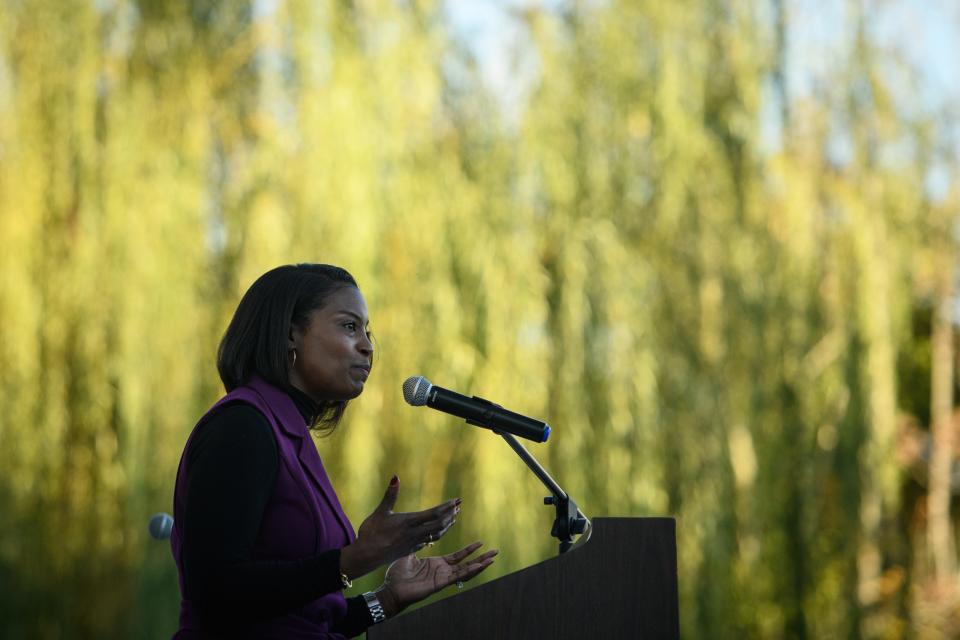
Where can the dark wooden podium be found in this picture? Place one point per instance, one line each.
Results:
(621, 583)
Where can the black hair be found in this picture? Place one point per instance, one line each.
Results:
(256, 342)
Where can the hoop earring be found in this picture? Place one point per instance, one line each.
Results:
(294, 357)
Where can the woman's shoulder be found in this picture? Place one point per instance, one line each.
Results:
(236, 427)
(238, 411)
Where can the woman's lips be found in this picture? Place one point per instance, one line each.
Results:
(364, 370)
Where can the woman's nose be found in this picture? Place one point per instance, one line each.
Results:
(365, 346)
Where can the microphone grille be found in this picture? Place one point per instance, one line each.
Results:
(161, 526)
(415, 390)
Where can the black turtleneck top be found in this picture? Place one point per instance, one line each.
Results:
(232, 467)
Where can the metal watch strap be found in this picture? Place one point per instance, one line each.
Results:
(376, 609)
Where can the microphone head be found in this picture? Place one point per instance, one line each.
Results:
(161, 526)
(415, 390)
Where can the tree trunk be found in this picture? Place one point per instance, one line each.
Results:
(939, 534)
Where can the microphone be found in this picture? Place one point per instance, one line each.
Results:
(418, 391)
(161, 526)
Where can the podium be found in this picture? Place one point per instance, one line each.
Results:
(621, 583)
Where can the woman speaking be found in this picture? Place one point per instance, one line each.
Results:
(261, 543)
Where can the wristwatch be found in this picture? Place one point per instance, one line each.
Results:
(376, 609)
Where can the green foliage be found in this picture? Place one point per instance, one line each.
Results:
(717, 330)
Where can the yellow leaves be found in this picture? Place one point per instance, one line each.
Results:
(267, 238)
(711, 319)
(742, 456)
(638, 123)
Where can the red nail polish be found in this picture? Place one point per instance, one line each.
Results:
(394, 480)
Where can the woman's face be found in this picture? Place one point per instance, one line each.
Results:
(334, 352)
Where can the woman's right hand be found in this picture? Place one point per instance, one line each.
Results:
(386, 536)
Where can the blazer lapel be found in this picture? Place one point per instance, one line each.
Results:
(311, 461)
(291, 422)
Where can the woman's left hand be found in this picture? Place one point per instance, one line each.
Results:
(411, 579)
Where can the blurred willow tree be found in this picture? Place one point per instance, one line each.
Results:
(710, 319)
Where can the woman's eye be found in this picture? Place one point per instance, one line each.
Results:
(351, 326)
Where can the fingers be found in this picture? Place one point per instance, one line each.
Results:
(428, 534)
(389, 497)
(469, 570)
(457, 556)
(410, 532)
(487, 558)
(466, 571)
(439, 512)
(446, 528)
(431, 530)
(436, 527)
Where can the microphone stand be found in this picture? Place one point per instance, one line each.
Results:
(570, 520)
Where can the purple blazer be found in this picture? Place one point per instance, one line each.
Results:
(303, 517)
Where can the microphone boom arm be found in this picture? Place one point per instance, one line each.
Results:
(570, 520)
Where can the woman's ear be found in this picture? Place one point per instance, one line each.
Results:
(293, 338)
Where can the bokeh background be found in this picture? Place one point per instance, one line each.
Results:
(712, 242)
